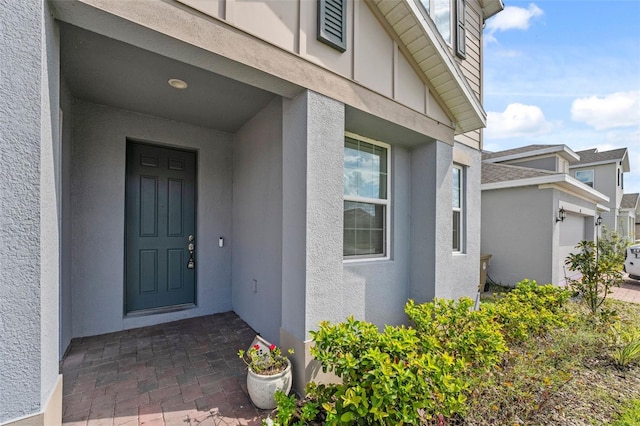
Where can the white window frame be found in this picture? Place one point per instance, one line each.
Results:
(461, 209)
(593, 177)
(386, 203)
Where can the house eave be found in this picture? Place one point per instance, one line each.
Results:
(434, 58)
(562, 150)
(564, 181)
(490, 8)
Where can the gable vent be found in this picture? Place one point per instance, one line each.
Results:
(332, 23)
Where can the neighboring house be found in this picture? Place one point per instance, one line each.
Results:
(293, 161)
(534, 213)
(628, 216)
(604, 171)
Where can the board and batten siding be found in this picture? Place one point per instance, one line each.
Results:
(472, 64)
(372, 58)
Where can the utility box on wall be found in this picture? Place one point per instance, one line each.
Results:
(485, 261)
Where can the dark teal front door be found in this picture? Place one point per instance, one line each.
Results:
(160, 222)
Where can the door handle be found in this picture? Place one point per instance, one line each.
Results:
(191, 264)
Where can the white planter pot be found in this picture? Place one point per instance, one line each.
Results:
(263, 388)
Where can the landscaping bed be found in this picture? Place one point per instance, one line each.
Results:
(530, 356)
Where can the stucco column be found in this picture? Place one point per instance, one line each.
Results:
(312, 194)
(430, 221)
(30, 388)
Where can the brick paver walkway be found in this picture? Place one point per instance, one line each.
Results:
(180, 373)
(629, 291)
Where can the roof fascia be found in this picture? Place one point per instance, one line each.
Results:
(625, 162)
(569, 184)
(563, 150)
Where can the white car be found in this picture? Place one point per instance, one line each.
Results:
(632, 261)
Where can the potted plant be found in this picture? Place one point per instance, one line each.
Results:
(268, 371)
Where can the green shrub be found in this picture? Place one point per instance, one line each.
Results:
(387, 378)
(290, 414)
(423, 374)
(405, 375)
(600, 272)
(530, 309)
(454, 328)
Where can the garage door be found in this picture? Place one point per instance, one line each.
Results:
(572, 231)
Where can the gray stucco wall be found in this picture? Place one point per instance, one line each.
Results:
(422, 265)
(548, 163)
(376, 290)
(66, 330)
(50, 175)
(257, 221)
(465, 267)
(98, 182)
(518, 231)
(431, 248)
(28, 214)
(313, 144)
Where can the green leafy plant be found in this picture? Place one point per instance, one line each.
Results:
(454, 328)
(386, 376)
(612, 247)
(289, 413)
(530, 309)
(625, 344)
(405, 375)
(264, 361)
(599, 274)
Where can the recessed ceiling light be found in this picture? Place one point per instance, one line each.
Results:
(177, 83)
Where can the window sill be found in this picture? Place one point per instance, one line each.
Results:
(365, 260)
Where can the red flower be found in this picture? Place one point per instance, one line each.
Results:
(272, 347)
(256, 347)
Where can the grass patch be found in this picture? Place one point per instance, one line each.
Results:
(630, 416)
(565, 376)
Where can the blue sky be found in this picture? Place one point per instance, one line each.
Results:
(565, 72)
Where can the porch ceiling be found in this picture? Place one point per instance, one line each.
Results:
(105, 71)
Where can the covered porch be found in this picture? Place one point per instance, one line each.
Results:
(180, 373)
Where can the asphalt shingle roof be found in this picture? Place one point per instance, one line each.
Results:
(591, 156)
(492, 173)
(629, 201)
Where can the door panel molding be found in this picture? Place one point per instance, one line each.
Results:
(160, 214)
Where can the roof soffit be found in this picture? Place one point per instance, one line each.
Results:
(422, 40)
(491, 7)
(567, 183)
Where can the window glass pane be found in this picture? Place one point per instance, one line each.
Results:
(365, 170)
(585, 176)
(456, 231)
(441, 15)
(456, 188)
(364, 232)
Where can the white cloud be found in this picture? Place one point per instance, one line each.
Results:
(620, 109)
(512, 18)
(517, 120)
